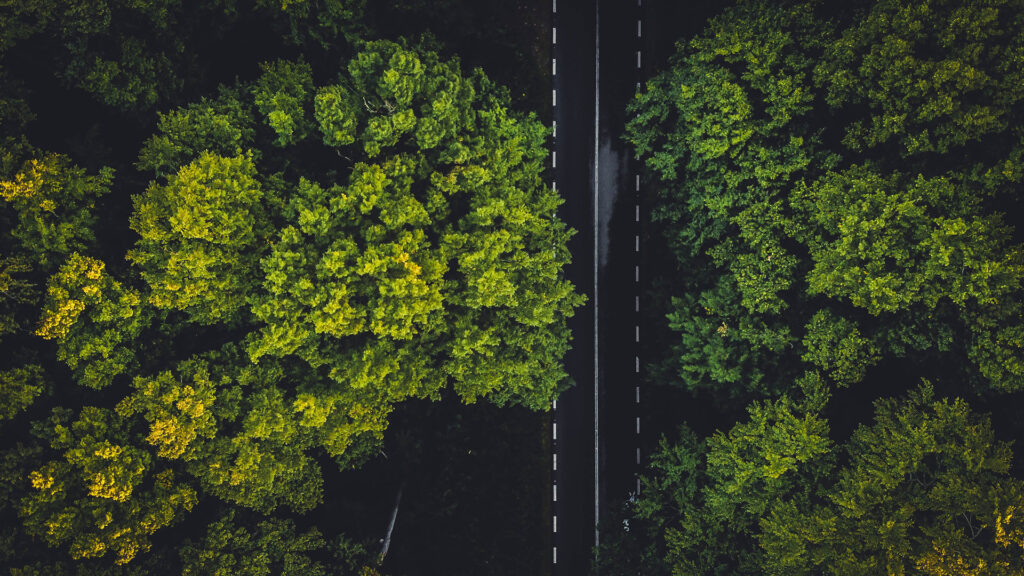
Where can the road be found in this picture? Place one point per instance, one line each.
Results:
(596, 64)
(602, 51)
(573, 83)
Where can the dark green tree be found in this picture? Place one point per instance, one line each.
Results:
(835, 184)
(55, 203)
(925, 489)
(133, 55)
(271, 547)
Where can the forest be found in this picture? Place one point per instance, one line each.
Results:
(268, 269)
(271, 268)
(838, 193)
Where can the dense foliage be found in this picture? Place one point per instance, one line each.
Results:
(924, 489)
(835, 190)
(204, 325)
(132, 55)
(838, 186)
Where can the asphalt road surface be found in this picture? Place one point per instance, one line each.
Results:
(597, 63)
(602, 52)
(573, 67)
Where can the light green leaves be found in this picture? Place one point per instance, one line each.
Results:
(897, 243)
(201, 233)
(281, 96)
(94, 319)
(425, 265)
(335, 112)
(54, 201)
(104, 495)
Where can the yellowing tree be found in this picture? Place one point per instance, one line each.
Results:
(429, 256)
(308, 257)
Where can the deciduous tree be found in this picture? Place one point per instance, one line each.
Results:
(834, 185)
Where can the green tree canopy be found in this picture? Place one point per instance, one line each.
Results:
(925, 489)
(133, 55)
(834, 184)
(55, 203)
(307, 258)
(103, 494)
(373, 203)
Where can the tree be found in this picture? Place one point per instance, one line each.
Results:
(281, 93)
(308, 258)
(834, 185)
(51, 204)
(221, 126)
(94, 319)
(780, 453)
(233, 427)
(272, 548)
(103, 494)
(22, 378)
(200, 237)
(926, 488)
(153, 420)
(19, 387)
(134, 55)
(431, 262)
(54, 201)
